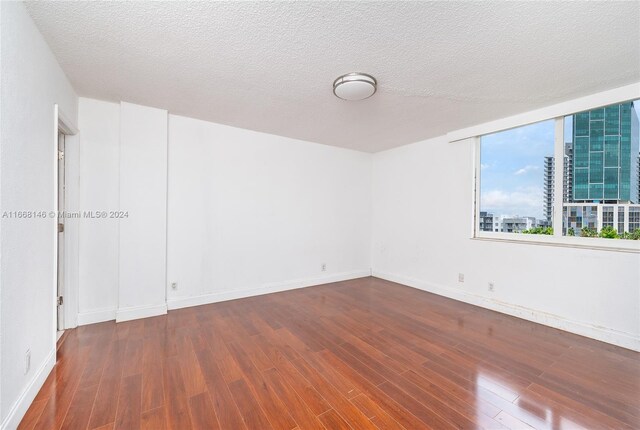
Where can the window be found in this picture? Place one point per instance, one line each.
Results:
(607, 216)
(517, 178)
(599, 173)
(634, 218)
(621, 228)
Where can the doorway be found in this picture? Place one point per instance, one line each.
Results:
(60, 226)
(65, 157)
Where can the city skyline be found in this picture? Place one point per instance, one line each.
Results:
(512, 176)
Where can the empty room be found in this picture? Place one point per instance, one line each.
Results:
(319, 215)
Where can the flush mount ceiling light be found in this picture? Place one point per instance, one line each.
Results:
(354, 86)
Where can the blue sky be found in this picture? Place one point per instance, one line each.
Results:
(512, 169)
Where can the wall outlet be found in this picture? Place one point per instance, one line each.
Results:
(27, 361)
(174, 285)
(460, 277)
(491, 286)
(323, 267)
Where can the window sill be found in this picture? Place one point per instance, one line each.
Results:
(595, 243)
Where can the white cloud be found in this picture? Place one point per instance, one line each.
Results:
(484, 166)
(526, 169)
(524, 202)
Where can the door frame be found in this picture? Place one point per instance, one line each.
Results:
(60, 254)
(63, 124)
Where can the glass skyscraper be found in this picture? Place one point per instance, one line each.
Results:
(605, 155)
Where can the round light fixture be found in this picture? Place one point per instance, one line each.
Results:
(354, 86)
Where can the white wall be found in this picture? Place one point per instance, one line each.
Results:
(248, 212)
(421, 221)
(32, 82)
(143, 198)
(251, 212)
(99, 124)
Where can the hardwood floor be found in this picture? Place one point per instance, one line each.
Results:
(359, 354)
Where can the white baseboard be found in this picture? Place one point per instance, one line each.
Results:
(97, 316)
(16, 413)
(126, 314)
(615, 337)
(137, 312)
(184, 302)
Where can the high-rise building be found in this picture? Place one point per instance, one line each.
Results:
(567, 188)
(549, 183)
(549, 180)
(605, 155)
(486, 221)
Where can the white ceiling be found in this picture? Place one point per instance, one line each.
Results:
(269, 66)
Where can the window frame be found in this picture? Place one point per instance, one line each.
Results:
(558, 114)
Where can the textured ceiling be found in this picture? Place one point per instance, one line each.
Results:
(269, 66)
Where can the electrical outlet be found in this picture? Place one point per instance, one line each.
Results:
(491, 287)
(323, 267)
(27, 361)
(460, 277)
(174, 285)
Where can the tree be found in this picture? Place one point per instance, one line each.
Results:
(588, 232)
(608, 232)
(635, 235)
(539, 230)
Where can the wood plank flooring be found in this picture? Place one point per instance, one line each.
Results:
(358, 354)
